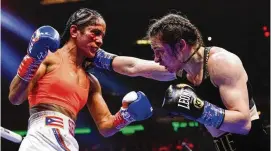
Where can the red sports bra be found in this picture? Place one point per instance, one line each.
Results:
(60, 87)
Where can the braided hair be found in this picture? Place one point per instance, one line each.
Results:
(81, 18)
(172, 28)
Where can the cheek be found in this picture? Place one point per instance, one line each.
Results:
(90, 37)
(166, 59)
(170, 60)
(86, 38)
(80, 43)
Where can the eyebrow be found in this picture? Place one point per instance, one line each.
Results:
(155, 47)
(96, 29)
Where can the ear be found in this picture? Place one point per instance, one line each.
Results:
(73, 31)
(182, 44)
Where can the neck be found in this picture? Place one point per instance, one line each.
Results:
(74, 54)
(194, 65)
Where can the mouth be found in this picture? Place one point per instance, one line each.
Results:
(168, 69)
(93, 49)
(163, 65)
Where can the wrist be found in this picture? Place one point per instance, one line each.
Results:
(212, 115)
(28, 68)
(122, 119)
(104, 60)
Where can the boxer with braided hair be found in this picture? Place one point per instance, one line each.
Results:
(125, 65)
(80, 18)
(217, 92)
(57, 86)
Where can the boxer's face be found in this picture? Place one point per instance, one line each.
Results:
(164, 55)
(91, 38)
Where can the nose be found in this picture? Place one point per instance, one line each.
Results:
(99, 41)
(156, 59)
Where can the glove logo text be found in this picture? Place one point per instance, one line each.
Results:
(185, 99)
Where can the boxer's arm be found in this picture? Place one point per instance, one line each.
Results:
(43, 39)
(233, 92)
(99, 110)
(133, 67)
(18, 89)
(135, 107)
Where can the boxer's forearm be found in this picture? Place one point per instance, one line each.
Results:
(18, 91)
(106, 126)
(133, 67)
(236, 122)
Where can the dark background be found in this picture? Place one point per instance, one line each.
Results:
(233, 25)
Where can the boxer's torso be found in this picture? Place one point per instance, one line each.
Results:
(257, 139)
(207, 90)
(64, 87)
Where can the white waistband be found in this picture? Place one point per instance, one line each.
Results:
(52, 119)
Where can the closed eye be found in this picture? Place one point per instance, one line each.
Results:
(97, 32)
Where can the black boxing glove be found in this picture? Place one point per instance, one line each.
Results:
(181, 99)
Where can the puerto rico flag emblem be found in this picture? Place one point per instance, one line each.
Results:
(54, 121)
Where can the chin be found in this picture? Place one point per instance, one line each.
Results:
(172, 70)
(90, 55)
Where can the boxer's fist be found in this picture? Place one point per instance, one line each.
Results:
(181, 99)
(45, 38)
(135, 107)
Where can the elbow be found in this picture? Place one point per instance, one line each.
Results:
(245, 125)
(14, 100)
(237, 122)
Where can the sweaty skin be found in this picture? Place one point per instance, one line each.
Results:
(72, 54)
(231, 82)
